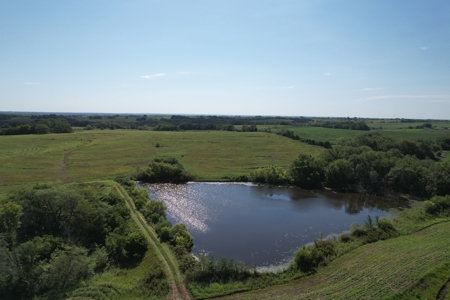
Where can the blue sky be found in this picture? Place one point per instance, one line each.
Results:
(377, 58)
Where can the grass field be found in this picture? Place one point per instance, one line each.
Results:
(90, 155)
(373, 271)
(332, 135)
(391, 125)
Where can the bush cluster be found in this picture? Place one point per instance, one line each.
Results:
(164, 170)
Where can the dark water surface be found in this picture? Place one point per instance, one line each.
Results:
(258, 224)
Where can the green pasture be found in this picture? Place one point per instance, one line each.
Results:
(102, 154)
(393, 124)
(332, 135)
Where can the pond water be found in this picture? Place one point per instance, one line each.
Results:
(262, 225)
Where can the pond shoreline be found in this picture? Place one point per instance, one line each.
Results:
(259, 224)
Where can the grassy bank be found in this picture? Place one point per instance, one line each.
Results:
(390, 268)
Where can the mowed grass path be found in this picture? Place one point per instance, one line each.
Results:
(373, 271)
(90, 155)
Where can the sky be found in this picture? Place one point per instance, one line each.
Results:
(337, 58)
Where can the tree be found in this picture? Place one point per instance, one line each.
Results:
(181, 237)
(10, 214)
(42, 129)
(66, 268)
(339, 174)
(305, 172)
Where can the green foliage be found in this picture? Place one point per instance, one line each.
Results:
(345, 238)
(66, 268)
(101, 258)
(306, 172)
(443, 142)
(381, 229)
(36, 250)
(165, 170)
(249, 128)
(126, 245)
(180, 237)
(208, 270)
(48, 211)
(339, 174)
(270, 175)
(50, 257)
(154, 283)
(307, 259)
(438, 205)
(154, 210)
(241, 178)
(10, 214)
(42, 129)
(290, 134)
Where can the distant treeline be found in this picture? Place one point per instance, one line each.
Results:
(42, 127)
(184, 123)
(371, 163)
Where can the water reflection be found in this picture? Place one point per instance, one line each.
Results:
(258, 224)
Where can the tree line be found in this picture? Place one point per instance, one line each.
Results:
(290, 134)
(44, 126)
(370, 163)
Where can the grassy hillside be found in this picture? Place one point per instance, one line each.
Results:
(89, 155)
(373, 271)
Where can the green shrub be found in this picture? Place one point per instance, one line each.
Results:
(155, 283)
(345, 238)
(438, 205)
(308, 259)
(165, 170)
(270, 175)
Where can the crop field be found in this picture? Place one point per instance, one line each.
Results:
(101, 154)
(373, 271)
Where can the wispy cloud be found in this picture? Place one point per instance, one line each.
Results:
(370, 89)
(153, 76)
(327, 74)
(439, 101)
(429, 97)
(31, 83)
(424, 48)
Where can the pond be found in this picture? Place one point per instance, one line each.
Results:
(262, 225)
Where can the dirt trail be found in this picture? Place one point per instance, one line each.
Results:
(177, 291)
